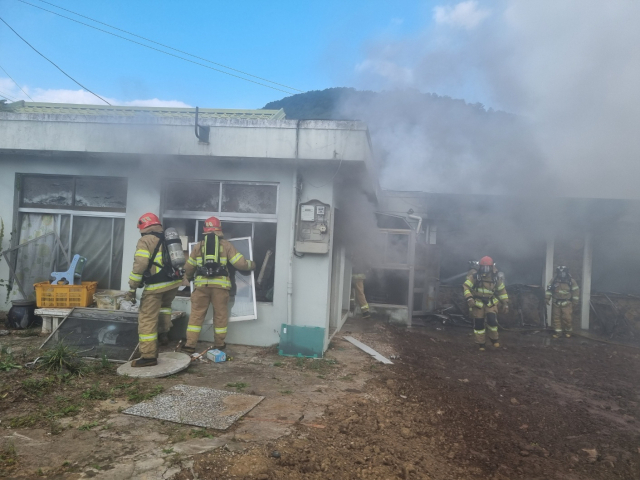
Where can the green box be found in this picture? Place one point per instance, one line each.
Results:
(298, 341)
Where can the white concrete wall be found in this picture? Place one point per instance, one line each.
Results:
(312, 274)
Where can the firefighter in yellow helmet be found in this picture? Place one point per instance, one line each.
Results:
(152, 269)
(483, 290)
(564, 291)
(208, 264)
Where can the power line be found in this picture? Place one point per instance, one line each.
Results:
(169, 53)
(163, 45)
(17, 85)
(51, 62)
(3, 95)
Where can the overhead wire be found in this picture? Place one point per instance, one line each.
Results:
(52, 63)
(165, 46)
(288, 92)
(3, 95)
(17, 85)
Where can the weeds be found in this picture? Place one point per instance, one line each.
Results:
(278, 364)
(240, 386)
(8, 454)
(24, 421)
(286, 392)
(88, 426)
(95, 393)
(62, 358)
(139, 395)
(200, 433)
(37, 386)
(8, 363)
(167, 451)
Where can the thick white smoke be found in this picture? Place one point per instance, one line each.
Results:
(569, 69)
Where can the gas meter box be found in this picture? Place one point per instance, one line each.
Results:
(314, 218)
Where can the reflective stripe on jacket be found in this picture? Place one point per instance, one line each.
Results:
(487, 290)
(563, 291)
(224, 253)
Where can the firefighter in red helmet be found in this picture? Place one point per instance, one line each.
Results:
(152, 269)
(208, 265)
(483, 290)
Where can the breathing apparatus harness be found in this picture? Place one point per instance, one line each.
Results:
(555, 284)
(496, 277)
(211, 266)
(166, 272)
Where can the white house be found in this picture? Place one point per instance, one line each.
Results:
(88, 172)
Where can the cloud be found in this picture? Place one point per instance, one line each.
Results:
(8, 88)
(464, 14)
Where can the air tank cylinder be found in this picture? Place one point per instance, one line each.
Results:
(174, 245)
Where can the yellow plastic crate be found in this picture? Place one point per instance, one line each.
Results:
(64, 296)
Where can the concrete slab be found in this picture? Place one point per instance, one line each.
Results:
(199, 406)
(168, 364)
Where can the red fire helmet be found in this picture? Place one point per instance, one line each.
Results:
(212, 224)
(486, 261)
(147, 220)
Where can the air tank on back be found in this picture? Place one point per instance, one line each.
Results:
(174, 245)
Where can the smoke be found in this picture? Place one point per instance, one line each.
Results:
(567, 71)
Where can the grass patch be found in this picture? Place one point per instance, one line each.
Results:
(88, 426)
(24, 421)
(95, 393)
(8, 454)
(278, 364)
(167, 450)
(286, 392)
(63, 359)
(8, 363)
(240, 386)
(200, 433)
(37, 386)
(139, 394)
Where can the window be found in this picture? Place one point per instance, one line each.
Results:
(246, 209)
(87, 213)
(78, 193)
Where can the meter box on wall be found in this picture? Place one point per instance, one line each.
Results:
(314, 218)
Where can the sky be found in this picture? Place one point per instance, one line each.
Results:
(307, 45)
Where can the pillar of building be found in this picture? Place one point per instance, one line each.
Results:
(547, 274)
(585, 289)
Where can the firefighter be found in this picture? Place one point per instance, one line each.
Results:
(483, 290)
(152, 269)
(564, 291)
(358, 285)
(208, 264)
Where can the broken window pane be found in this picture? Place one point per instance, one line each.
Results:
(193, 196)
(101, 192)
(47, 191)
(244, 198)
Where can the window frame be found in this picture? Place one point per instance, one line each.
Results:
(228, 216)
(73, 207)
(71, 210)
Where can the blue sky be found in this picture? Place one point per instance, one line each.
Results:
(309, 45)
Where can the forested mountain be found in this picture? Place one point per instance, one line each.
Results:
(430, 142)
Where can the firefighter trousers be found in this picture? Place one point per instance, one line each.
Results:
(562, 316)
(154, 316)
(200, 300)
(485, 319)
(358, 285)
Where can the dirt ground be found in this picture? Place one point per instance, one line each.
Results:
(535, 408)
